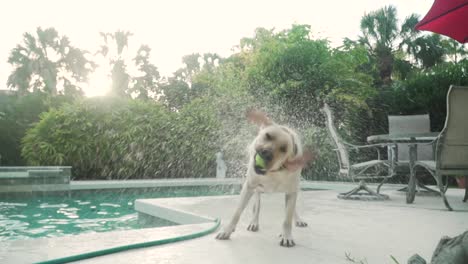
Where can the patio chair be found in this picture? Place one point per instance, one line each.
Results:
(401, 124)
(358, 171)
(451, 155)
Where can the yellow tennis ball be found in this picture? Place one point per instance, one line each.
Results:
(259, 162)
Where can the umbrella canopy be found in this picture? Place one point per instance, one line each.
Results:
(449, 18)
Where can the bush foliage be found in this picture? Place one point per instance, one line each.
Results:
(108, 138)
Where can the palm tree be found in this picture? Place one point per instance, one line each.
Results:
(120, 77)
(426, 50)
(380, 35)
(454, 49)
(48, 62)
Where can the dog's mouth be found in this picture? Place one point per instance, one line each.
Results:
(259, 165)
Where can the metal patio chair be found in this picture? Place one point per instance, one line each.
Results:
(402, 124)
(451, 155)
(358, 171)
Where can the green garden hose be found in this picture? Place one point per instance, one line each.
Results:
(132, 246)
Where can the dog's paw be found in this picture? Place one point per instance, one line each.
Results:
(223, 235)
(301, 224)
(253, 227)
(286, 241)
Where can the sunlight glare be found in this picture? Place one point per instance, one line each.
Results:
(98, 84)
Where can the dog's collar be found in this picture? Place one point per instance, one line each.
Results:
(279, 169)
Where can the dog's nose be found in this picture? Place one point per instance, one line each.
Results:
(266, 154)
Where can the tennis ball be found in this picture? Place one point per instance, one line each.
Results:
(259, 162)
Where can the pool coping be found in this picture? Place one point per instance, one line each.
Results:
(146, 208)
(120, 184)
(153, 183)
(150, 207)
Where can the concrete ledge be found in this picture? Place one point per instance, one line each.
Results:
(123, 184)
(26, 188)
(34, 179)
(151, 207)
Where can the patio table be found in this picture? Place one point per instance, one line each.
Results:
(412, 139)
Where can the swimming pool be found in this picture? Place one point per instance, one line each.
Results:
(57, 214)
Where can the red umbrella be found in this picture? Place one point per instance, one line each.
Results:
(449, 18)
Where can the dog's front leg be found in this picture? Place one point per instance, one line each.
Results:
(299, 221)
(297, 218)
(253, 226)
(245, 195)
(286, 236)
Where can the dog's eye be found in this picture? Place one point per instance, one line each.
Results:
(283, 148)
(268, 136)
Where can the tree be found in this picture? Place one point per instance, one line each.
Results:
(291, 70)
(113, 52)
(16, 115)
(187, 83)
(454, 49)
(149, 81)
(191, 67)
(427, 50)
(48, 62)
(176, 93)
(380, 34)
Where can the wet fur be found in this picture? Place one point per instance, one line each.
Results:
(282, 175)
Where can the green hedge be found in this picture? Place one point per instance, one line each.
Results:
(426, 92)
(17, 114)
(108, 138)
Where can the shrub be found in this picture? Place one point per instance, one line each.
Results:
(17, 114)
(124, 139)
(426, 92)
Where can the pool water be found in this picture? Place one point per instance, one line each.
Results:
(52, 215)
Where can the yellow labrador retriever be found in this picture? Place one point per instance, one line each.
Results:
(276, 159)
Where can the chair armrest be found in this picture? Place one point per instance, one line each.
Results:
(369, 146)
(374, 146)
(433, 142)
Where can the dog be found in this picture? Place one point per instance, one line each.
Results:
(282, 158)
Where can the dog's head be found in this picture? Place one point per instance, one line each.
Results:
(276, 145)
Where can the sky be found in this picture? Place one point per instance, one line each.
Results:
(174, 28)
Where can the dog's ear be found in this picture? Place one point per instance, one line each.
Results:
(299, 162)
(258, 117)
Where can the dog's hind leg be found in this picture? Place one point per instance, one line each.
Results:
(253, 226)
(286, 236)
(245, 196)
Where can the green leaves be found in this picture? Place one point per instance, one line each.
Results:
(292, 70)
(149, 80)
(380, 34)
(45, 61)
(110, 138)
(426, 91)
(380, 26)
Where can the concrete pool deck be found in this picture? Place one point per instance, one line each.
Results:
(368, 230)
